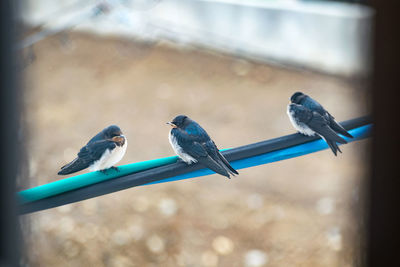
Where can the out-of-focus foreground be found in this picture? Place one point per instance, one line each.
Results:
(298, 212)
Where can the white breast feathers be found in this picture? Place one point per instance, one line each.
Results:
(109, 158)
(179, 151)
(301, 127)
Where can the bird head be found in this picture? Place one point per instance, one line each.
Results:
(114, 133)
(297, 97)
(179, 121)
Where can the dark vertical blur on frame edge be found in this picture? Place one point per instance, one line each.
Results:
(383, 224)
(9, 139)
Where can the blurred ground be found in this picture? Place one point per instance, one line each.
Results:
(298, 212)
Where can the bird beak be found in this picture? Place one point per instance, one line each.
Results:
(172, 125)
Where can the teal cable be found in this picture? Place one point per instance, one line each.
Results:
(82, 180)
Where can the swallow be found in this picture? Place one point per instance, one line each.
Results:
(102, 152)
(310, 118)
(192, 144)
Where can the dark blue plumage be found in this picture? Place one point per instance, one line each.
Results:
(101, 152)
(310, 118)
(306, 101)
(192, 144)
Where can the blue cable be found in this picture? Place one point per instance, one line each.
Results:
(287, 153)
(251, 155)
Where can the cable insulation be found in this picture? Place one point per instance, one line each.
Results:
(167, 169)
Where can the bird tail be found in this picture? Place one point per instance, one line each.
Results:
(334, 147)
(74, 166)
(215, 166)
(331, 138)
(226, 164)
(332, 141)
(339, 129)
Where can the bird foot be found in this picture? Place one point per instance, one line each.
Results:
(111, 168)
(115, 168)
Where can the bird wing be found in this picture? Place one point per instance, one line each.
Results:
(317, 107)
(316, 122)
(302, 113)
(87, 155)
(208, 158)
(321, 126)
(202, 152)
(337, 127)
(227, 164)
(217, 156)
(94, 150)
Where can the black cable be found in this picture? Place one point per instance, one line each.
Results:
(174, 169)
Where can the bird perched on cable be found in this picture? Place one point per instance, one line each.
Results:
(102, 152)
(310, 118)
(192, 144)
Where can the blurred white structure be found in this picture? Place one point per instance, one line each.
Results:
(326, 36)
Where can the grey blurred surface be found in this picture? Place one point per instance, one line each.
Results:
(331, 37)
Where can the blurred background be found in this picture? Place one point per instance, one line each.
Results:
(231, 65)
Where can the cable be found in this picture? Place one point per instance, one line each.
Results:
(276, 149)
(86, 179)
